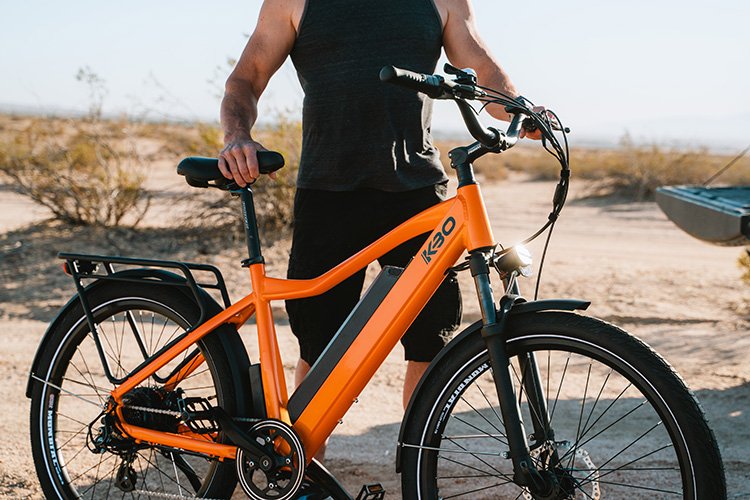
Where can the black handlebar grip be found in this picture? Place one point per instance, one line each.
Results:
(431, 85)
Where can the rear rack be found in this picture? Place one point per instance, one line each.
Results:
(89, 267)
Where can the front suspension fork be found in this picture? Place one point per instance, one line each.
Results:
(493, 331)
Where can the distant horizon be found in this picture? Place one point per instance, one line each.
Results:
(439, 134)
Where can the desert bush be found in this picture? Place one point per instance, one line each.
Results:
(489, 168)
(88, 176)
(181, 140)
(86, 173)
(631, 170)
(744, 264)
(638, 170)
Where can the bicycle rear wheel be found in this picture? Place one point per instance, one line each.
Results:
(624, 424)
(66, 411)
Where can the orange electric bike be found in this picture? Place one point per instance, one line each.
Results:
(142, 387)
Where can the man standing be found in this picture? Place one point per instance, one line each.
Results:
(368, 162)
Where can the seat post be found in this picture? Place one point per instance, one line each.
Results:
(251, 228)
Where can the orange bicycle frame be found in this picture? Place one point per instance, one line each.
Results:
(456, 225)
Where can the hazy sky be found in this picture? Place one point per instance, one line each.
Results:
(664, 70)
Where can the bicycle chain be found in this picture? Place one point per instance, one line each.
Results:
(168, 495)
(180, 415)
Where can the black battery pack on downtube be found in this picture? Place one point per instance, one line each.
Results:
(343, 339)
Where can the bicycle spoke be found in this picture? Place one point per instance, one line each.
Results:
(623, 468)
(624, 449)
(111, 354)
(72, 419)
(475, 455)
(476, 490)
(111, 480)
(66, 392)
(193, 375)
(522, 390)
(645, 488)
(572, 461)
(559, 388)
(162, 474)
(596, 401)
(161, 333)
(87, 470)
(176, 476)
(90, 379)
(120, 343)
(93, 483)
(485, 473)
(480, 430)
(606, 410)
(490, 405)
(485, 419)
(582, 443)
(75, 435)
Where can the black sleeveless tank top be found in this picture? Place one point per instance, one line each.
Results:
(357, 131)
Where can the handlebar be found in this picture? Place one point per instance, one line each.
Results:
(431, 85)
(490, 140)
(437, 87)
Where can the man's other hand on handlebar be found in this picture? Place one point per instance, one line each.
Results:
(534, 132)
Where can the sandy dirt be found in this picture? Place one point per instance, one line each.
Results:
(681, 296)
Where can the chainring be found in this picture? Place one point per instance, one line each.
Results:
(281, 479)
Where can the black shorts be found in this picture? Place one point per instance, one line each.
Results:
(329, 227)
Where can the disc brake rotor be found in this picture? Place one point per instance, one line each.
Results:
(590, 488)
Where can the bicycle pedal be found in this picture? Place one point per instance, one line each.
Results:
(198, 414)
(371, 492)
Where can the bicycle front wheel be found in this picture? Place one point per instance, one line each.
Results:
(623, 424)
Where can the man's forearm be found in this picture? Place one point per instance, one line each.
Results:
(239, 110)
(493, 76)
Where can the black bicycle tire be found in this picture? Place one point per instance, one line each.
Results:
(220, 481)
(533, 330)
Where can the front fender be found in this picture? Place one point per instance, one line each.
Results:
(475, 329)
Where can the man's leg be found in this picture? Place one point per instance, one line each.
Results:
(442, 314)
(414, 372)
(327, 230)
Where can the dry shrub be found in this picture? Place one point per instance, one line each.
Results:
(195, 139)
(88, 174)
(489, 168)
(630, 170)
(525, 158)
(638, 170)
(744, 264)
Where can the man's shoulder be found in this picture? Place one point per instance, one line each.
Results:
(291, 9)
(286, 5)
(448, 7)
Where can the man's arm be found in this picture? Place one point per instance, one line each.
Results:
(264, 53)
(466, 49)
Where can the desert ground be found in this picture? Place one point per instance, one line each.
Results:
(683, 297)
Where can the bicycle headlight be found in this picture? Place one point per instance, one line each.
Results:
(517, 258)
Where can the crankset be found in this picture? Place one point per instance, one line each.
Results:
(278, 474)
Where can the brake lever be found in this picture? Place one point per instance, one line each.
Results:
(465, 76)
(529, 123)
